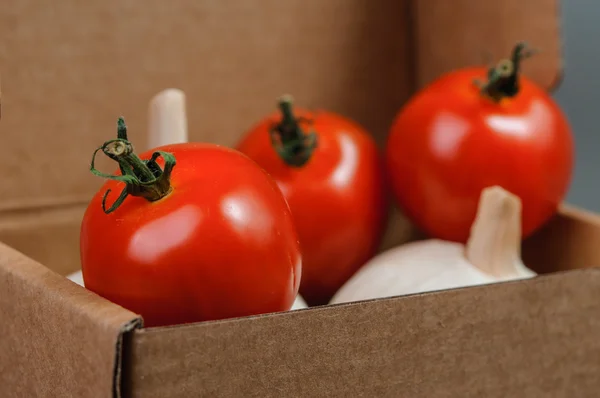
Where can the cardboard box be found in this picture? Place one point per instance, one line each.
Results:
(71, 67)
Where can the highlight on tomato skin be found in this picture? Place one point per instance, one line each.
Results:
(213, 240)
(472, 128)
(331, 173)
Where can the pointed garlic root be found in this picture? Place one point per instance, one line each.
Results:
(167, 120)
(494, 246)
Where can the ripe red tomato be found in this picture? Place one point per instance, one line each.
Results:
(330, 172)
(220, 243)
(456, 137)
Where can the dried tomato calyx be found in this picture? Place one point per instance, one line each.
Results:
(292, 144)
(143, 178)
(503, 78)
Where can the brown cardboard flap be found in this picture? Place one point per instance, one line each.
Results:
(536, 338)
(56, 338)
(78, 66)
(458, 33)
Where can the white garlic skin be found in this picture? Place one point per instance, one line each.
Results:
(77, 277)
(299, 303)
(416, 267)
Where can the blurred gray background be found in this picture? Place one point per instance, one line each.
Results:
(579, 95)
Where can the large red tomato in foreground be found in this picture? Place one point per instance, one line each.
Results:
(454, 138)
(221, 243)
(330, 172)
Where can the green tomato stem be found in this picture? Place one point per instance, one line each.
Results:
(142, 178)
(292, 144)
(503, 79)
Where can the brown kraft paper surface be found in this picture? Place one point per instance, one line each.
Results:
(56, 338)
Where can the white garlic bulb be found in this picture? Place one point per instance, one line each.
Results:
(299, 303)
(492, 254)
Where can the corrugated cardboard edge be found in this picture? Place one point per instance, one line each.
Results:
(119, 355)
(533, 338)
(58, 339)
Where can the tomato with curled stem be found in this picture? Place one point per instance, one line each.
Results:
(199, 233)
(460, 135)
(330, 171)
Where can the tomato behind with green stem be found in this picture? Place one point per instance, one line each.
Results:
(330, 171)
(199, 233)
(460, 135)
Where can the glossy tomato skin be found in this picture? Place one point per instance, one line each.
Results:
(337, 198)
(449, 142)
(221, 244)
